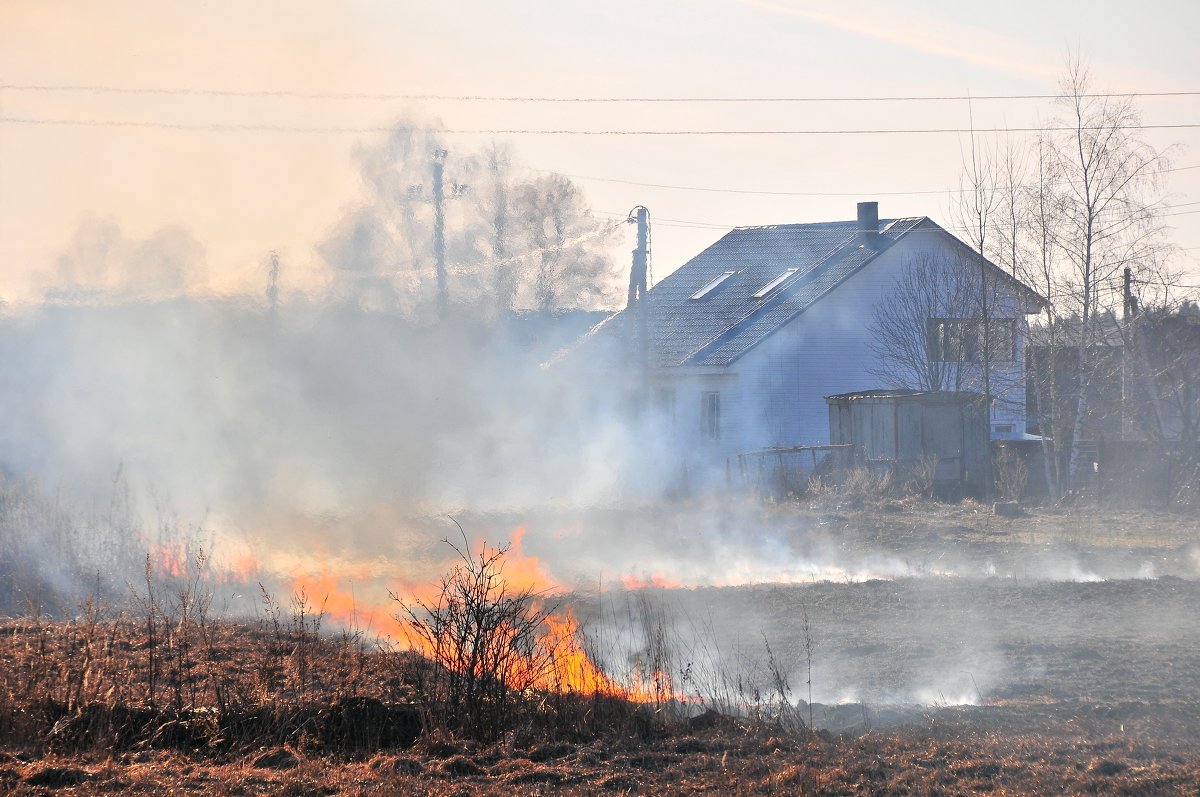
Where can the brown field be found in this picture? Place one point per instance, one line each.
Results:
(1052, 653)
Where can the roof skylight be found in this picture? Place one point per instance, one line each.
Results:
(775, 283)
(712, 286)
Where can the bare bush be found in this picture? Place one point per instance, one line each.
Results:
(855, 487)
(489, 644)
(1011, 475)
(921, 476)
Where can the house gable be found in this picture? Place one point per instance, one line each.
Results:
(826, 348)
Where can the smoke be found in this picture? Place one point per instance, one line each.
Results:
(317, 441)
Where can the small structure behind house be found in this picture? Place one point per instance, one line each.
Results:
(940, 438)
(781, 472)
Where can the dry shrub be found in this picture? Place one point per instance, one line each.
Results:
(1011, 475)
(489, 644)
(854, 488)
(921, 476)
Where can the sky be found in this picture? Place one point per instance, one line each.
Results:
(219, 163)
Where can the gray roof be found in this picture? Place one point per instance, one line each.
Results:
(729, 321)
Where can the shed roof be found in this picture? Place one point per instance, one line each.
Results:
(904, 395)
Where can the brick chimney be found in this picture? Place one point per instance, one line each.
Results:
(868, 219)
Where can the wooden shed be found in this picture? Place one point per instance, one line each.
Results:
(902, 430)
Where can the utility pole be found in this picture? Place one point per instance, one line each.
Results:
(637, 293)
(273, 283)
(1130, 304)
(637, 274)
(438, 199)
(439, 229)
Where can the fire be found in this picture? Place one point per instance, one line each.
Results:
(169, 559)
(327, 586)
(633, 581)
(574, 670)
(522, 571)
(346, 591)
(243, 568)
(178, 559)
(566, 667)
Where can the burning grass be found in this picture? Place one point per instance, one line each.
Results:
(1096, 696)
(276, 705)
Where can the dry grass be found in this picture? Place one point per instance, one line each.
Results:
(294, 739)
(715, 762)
(161, 698)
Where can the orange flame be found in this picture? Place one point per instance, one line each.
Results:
(569, 668)
(653, 581)
(242, 568)
(327, 584)
(329, 589)
(169, 559)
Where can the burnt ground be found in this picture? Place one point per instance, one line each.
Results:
(1090, 611)
(888, 652)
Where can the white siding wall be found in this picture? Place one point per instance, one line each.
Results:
(705, 460)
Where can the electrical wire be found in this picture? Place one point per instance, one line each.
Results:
(333, 95)
(716, 190)
(705, 225)
(245, 128)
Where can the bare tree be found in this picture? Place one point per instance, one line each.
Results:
(1041, 270)
(979, 200)
(511, 239)
(1087, 209)
(912, 349)
(1162, 351)
(504, 276)
(1106, 180)
(558, 230)
(928, 334)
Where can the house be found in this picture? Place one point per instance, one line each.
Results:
(739, 347)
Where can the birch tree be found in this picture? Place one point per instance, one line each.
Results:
(1107, 180)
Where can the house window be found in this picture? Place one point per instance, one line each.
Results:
(1003, 339)
(775, 283)
(960, 340)
(712, 286)
(710, 415)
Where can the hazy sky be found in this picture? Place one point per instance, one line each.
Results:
(240, 193)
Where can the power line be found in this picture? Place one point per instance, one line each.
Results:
(202, 128)
(682, 223)
(716, 190)
(239, 128)
(705, 225)
(332, 95)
